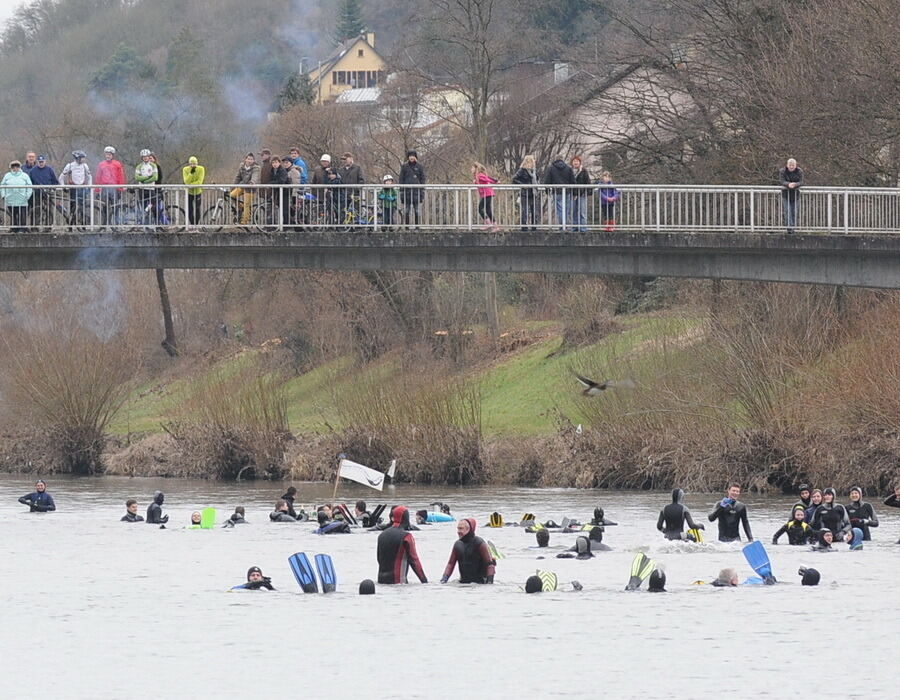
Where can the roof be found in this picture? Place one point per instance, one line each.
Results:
(339, 53)
(359, 96)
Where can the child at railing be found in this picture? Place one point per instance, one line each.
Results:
(609, 196)
(388, 198)
(486, 195)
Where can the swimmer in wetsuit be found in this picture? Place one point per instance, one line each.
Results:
(396, 550)
(39, 501)
(861, 514)
(154, 510)
(256, 581)
(893, 501)
(672, 518)
(814, 502)
(281, 513)
(797, 529)
(600, 518)
(730, 513)
(831, 516)
(131, 514)
(826, 538)
(476, 565)
(805, 495)
(236, 518)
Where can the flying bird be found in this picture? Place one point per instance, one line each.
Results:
(592, 388)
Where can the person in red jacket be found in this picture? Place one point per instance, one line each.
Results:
(476, 565)
(109, 172)
(397, 551)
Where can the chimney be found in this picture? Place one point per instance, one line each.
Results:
(560, 72)
(370, 37)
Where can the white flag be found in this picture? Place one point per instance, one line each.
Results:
(392, 468)
(361, 474)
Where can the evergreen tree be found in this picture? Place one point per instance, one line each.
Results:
(123, 69)
(350, 22)
(297, 90)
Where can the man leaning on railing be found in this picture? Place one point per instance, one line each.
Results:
(791, 180)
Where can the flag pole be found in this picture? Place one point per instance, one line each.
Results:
(337, 480)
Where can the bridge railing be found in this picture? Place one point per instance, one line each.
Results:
(372, 208)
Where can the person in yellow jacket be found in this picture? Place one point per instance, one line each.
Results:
(193, 174)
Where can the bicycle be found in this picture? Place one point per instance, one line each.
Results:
(358, 214)
(146, 208)
(228, 211)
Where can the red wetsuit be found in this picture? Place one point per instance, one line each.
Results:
(397, 551)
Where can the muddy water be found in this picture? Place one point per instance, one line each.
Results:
(94, 608)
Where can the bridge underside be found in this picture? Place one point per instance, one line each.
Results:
(859, 261)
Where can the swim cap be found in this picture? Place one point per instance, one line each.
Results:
(322, 517)
(598, 514)
(254, 570)
(583, 548)
(367, 587)
(543, 537)
(803, 487)
(858, 489)
(533, 584)
(810, 576)
(831, 491)
(657, 581)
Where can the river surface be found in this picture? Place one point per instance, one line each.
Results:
(95, 608)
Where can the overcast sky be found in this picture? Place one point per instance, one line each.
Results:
(6, 9)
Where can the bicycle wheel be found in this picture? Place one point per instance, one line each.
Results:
(263, 218)
(213, 218)
(172, 216)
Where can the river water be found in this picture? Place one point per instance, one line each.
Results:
(95, 608)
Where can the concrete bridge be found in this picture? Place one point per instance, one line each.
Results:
(852, 260)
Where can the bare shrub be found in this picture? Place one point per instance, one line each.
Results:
(422, 415)
(235, 425)
(586, 313)
(69, 384)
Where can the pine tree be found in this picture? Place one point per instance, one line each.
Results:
(350, 22)
(296, 90)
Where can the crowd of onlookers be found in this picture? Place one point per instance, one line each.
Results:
(569, 186)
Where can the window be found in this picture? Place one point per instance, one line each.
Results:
(360, 53)
(334, 78)
(341, 77)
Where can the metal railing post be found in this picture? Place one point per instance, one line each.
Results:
(91, 205)
(469, 203)
(658, 222)
(752, 211)
(374, 208)
(846, 212)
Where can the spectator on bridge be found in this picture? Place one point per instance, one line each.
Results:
(109, 172)
(42, 174)
(609, 197)
(412, 173)
(300, 164)
(16, 191)
(281, 178)
(559, 173)
(265, 167)
(527, 175)
(485, 196)
(388, 199)
(78, 174)
(351, 174)
(30, 162)
(580, 196)
(791, 179)
(193, 174)
(323, 175)
(293, 175)
(145, 173)
(247, 176)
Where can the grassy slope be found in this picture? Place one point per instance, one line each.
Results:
(519, 392)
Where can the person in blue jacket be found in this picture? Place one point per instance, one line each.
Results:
(300, 164)
(609, 197)
(39, 501)
(42, 200)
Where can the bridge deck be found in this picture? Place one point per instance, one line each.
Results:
(857, 260)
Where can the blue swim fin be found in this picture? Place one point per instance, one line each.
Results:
(758, 558)
(326, 573)
(303, 572)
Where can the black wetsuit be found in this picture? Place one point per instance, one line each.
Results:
(281, 516)
(397, 551)
(131, 518)
(154, 510)
(476, 565)
(289, 499)
(235, 519)
(38, 502)
(672, 518)
(862, 515)
(798, 532)
(832, 516)
(256, 585)
(730, 514)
